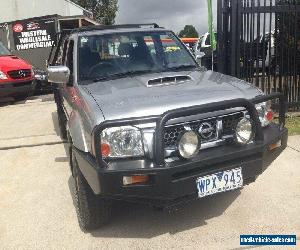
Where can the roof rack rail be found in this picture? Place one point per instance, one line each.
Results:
(106, 27)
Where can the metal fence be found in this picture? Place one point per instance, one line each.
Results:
(259, 41)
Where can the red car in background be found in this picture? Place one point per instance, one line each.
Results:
(16, 75)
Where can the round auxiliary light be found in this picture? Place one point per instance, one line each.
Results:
(189, 144)
(244, 131)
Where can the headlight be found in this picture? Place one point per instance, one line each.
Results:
(244, 131)
(265, 113)
(2, 76)
(189, 144)
(120, 142)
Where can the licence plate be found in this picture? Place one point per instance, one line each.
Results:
(219, 182)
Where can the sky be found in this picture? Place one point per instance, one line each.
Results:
(171, 14)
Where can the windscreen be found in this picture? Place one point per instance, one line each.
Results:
(102, 56)
(3, 50)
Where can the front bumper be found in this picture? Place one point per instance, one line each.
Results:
(176, 181)
(13, 89)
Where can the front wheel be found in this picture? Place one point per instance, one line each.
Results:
(92, 211)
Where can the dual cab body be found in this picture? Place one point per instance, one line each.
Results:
(147, 124)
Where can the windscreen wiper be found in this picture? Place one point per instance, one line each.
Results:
(181, 67)
(121, 74)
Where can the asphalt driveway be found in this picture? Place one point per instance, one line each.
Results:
(37, 210)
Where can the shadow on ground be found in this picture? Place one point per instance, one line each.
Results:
(55, 123)
(57, 131)
(8, 101)
(131, 220)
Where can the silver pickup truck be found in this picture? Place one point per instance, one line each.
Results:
(145, 123)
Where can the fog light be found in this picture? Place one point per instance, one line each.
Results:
(189, 144)
(134, 179)
(244, 131)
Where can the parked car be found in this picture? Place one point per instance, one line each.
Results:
(16, 75)
(264, 55)
(146, 124)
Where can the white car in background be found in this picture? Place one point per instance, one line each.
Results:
(266, 51)
(203, 43)
(203, 51)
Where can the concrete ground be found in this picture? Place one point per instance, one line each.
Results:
(37, 210)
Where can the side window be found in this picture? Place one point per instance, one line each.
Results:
(64, 52)
(60, 53)
(69, 56)
(68, 60)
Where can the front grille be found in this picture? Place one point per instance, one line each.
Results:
(19, 74)
(207, 129)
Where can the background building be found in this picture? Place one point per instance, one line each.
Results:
(28, 28)
(12, 10)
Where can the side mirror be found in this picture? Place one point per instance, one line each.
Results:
(58, 74)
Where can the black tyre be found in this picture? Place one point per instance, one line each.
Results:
(92, 211)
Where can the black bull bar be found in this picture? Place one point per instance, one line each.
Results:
(159, 158)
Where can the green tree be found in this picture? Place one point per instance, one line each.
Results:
(189, 31)
(104, 11)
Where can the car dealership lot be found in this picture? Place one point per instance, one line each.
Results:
(37, 211)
